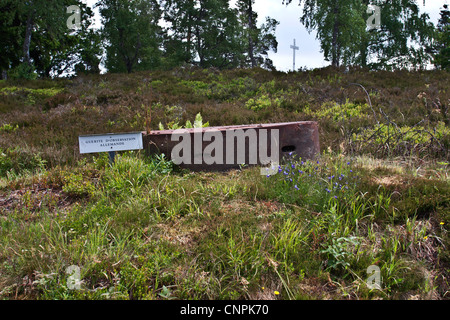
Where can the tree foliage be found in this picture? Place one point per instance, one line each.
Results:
(37, 40)
(256, 41)
(210, 33)
(403, 36)
(442, 40)
(150, 34)
(131, 33)
(398, 42)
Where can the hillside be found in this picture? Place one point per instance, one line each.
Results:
(144, 229)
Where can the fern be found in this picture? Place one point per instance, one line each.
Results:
(198, 123)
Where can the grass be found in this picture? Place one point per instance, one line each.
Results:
(142, 228)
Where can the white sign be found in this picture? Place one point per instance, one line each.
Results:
(110, 142)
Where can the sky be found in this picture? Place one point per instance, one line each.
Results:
(290, 28)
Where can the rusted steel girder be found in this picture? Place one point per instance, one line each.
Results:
(300, 138)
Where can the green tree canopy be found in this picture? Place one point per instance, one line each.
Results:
(442, 40)
(210, 33)
(37, 40)
(131, 34)
(256, 41)
(398, 42)
(203, 32)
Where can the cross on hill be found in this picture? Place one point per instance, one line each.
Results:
(294, 47)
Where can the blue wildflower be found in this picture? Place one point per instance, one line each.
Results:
(296, 187)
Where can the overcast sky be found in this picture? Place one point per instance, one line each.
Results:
(290, 28)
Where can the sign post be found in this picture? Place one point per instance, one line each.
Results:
(110, 142)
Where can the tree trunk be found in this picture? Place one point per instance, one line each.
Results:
(189, 40)
(363, 52)
(335, 54)
(198, 35)
(188, 48)
(250, 34)
(129, 61)
(136, 53)
(27, 41)
(199, 47)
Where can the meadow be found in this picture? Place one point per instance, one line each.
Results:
(142, 228)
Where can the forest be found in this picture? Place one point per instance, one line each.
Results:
(53, 38)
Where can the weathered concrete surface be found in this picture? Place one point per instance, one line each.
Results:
(301, 138)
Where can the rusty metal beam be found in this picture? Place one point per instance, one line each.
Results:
(300, 138)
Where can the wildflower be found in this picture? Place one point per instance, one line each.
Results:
(296, 187)
(335, 197)
(262, 288)
(276, 292)
(441, 223)
(293, 166)
(348, 163)
(425, 238)
(328, 190)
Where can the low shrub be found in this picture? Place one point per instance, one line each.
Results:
(17, 161)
